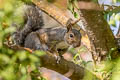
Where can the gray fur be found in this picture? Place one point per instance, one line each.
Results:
(55, 37)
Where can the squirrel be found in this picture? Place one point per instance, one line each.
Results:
(36, 37)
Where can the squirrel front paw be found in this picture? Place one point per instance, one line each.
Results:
(58, 58)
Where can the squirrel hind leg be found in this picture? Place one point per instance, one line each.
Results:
(32, 42)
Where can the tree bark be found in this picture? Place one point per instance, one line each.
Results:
(63, 67)
(99, 33)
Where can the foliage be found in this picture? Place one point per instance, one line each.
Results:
(73, 7)
(15, 65)
(112, 14)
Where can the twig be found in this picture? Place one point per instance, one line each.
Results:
(17, 47)
(74, 22)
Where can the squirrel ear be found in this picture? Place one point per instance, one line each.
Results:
(69, 28)
(69, 25)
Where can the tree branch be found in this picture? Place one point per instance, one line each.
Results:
(63, 67)
(49, 61)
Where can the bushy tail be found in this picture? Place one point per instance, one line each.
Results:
(34, 21)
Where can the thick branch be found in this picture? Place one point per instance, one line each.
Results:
(52, 11)
(99, 32)
(63, 67)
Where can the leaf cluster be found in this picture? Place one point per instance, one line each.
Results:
(14, 65)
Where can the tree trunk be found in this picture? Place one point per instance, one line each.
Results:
(99, 33)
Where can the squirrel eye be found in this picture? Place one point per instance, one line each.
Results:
(71, 35)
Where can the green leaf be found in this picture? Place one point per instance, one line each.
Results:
(22, 55)
(8, 7)
(116, 71)
(23, 70)
(1, 15)
(70, 7)
(117, 17)
(4, 58)
(10, 29)
(39, 53)
(76, 4)
(114, 1)
(34, 58)
(76, 15)
(33, 66)
(112, 22)
(24, 77)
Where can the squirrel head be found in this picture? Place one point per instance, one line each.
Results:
(72, 37)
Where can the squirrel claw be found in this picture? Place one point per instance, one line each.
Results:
(58, 58)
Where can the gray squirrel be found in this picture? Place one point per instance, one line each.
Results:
(36, 37)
